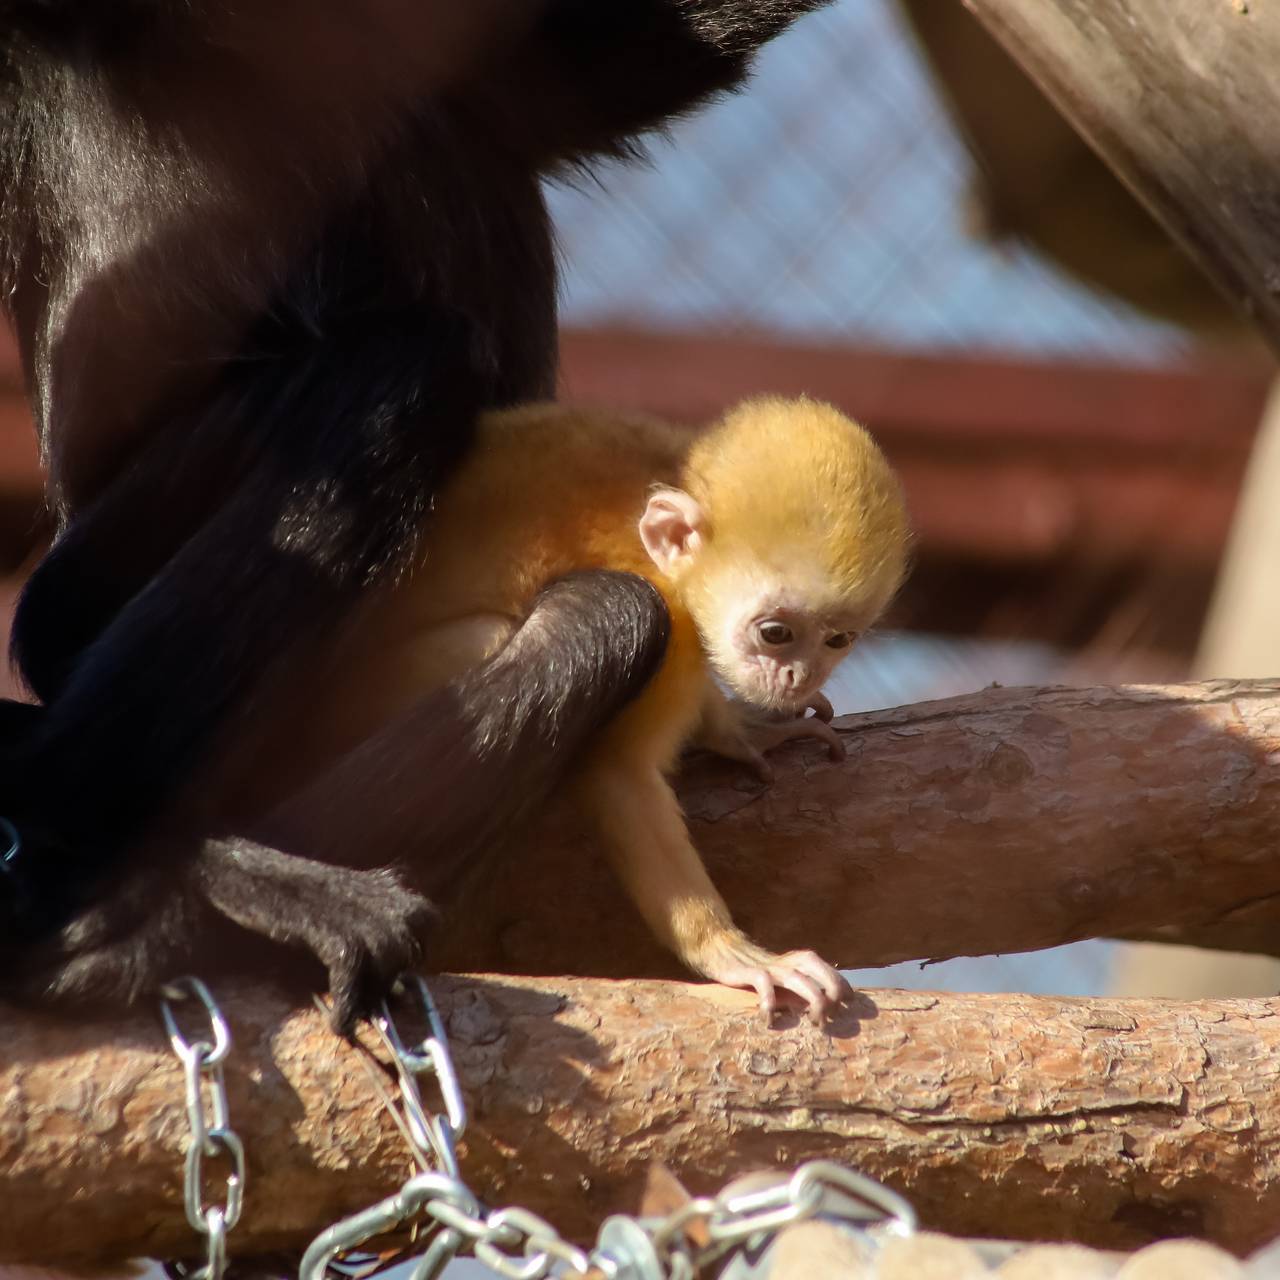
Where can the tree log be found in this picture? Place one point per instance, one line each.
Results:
(1110, 1122)
(1009, 820)
(1180, 98)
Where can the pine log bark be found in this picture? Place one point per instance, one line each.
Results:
(1180, 98)
(1108, 1122)
(1009, 820)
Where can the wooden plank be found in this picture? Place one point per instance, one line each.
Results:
(964, 399)
(1181, 98)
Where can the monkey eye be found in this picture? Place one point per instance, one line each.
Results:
(775, 633)
(841, 640)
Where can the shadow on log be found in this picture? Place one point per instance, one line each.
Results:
(1110, 1122)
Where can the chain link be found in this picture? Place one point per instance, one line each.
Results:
(451, 1222)
(211, 1136)
(432, 1136)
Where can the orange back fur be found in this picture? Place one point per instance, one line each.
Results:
(549, 489)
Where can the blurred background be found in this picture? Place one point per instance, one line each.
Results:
(893, 218)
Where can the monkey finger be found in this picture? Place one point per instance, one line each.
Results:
(830, 979)
(814, 727)
(821, 707)
(763, 769)
(767, 737)
(763, 984)
(755, 977)
(744, 752)
(835, 743)
(802, 985)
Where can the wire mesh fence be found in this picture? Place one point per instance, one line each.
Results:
(830, 201)
(835, 203)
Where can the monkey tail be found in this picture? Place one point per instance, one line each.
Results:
(500, 739)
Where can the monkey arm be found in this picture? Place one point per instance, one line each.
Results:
(648, 845)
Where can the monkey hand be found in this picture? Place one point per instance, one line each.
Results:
(731, 958)
(821, 707)
(749, 740)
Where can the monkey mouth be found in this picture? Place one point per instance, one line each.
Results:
(782, 703)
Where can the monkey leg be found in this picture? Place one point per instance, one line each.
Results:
(363, 926)
(428, 794)
(649, 846)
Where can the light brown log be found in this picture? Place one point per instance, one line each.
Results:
(1008, 820)
(1112, 1123)
(1180, 97)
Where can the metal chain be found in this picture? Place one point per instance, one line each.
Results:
(431, 1136)
(517, 1244)
(211, 1136)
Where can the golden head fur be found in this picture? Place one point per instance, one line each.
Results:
(792, 483)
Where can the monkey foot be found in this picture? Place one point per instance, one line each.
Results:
(737, 962)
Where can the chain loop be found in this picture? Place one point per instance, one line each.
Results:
(211, 1136)
(519, 1245)
(450, 1220)
(434, 1136)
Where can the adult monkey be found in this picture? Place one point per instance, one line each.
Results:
(266, 263)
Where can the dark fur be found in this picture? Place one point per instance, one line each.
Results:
(265, 272)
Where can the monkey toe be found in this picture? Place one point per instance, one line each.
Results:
(831, 984)
(779, 976)
(119, 949)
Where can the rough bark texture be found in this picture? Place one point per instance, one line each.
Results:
(1112, 1123)
(1008, 820)
(1180, 97)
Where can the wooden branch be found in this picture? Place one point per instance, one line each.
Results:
(1009, 820)
(1110, 1122)
(1180, 98)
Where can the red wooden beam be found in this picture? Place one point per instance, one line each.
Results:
(1007, 461)
(1045, 495)
(964, 399)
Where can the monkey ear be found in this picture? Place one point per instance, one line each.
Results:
(672, 528)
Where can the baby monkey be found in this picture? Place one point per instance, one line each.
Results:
(776, 537)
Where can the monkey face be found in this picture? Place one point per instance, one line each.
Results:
(780, 654)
